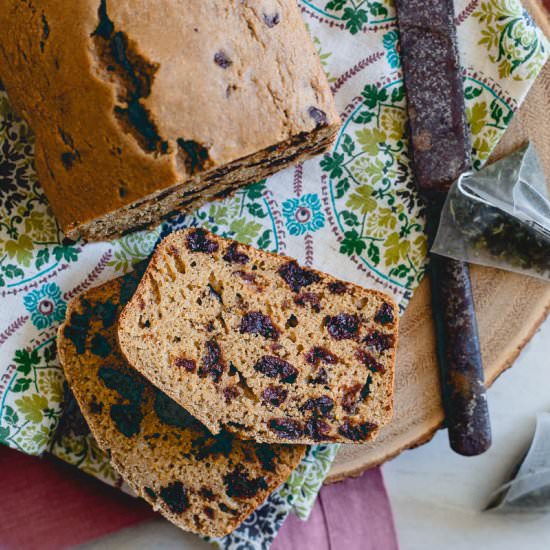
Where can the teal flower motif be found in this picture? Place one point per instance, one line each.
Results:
(391, 43)
(45, 305)
(303, 214)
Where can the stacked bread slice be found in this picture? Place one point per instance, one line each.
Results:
(253, 343)
(228, 360)
(203, 483)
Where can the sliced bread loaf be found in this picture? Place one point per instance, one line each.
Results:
(143, 109)
(253, 343)
(203, 483)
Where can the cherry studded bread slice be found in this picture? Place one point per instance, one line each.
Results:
(202, 483)
(253, 343)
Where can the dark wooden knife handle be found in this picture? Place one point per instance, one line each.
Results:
(441, 152)
(459, 357)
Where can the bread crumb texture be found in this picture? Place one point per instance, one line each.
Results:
(252, 343)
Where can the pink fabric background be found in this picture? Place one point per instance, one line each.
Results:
(48, 505)
(352, 515)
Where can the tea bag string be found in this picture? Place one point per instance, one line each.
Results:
(462, 187)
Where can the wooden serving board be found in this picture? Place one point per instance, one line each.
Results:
(509, 309)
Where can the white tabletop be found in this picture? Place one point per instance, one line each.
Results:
(437, 495)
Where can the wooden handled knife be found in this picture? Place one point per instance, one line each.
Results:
(440, 147)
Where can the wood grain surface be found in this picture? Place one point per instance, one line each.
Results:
(509, 308)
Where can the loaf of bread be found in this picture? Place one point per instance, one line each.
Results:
(142, 109)
(203, 483)
(252, 343)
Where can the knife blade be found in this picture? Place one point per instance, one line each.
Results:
(440, 148)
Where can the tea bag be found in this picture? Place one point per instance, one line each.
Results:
(529, 490)
(499, 217)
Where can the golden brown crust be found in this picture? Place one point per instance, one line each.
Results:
(128, 100)
(251, 342)
(202, 483)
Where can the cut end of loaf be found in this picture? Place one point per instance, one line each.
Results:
(214, 184)
(253, 343)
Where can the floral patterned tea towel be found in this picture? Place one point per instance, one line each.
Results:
(353, 213)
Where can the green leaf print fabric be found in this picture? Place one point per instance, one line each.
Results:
(353, 212)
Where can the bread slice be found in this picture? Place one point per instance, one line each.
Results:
(143, 109)
(253, 343)
(202, 483)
